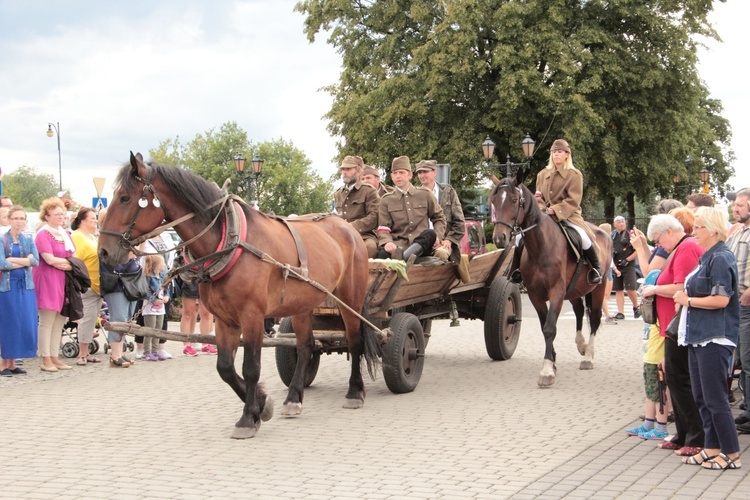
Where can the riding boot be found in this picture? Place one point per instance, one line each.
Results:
(595, 274)
(515, 273)
(414, 249)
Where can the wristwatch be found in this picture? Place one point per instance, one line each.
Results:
(689, 299)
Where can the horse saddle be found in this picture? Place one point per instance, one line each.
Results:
(573, 239)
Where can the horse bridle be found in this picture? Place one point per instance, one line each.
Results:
(515, 228)
(125, 241)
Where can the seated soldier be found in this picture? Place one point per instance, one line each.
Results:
(405, 215)
(455, 225)
(371, 176)
(357, 203)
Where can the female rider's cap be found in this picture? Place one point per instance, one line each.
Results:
(561, 145)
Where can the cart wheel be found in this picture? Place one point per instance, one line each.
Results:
(286, 358)
(403, 354)
(94, 347)
(106, 347)
(502, 319)
(70, 349)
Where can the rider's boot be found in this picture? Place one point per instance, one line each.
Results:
(515, 273)
(595, 274)
(414, 249)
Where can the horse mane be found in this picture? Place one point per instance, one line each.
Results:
(196, 192)
(533, 213)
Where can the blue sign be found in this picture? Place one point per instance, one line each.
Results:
(99, 202)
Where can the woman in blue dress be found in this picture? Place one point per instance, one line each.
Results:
(18, 328)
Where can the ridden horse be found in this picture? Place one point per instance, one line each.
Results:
(262, 281)
(548, 266)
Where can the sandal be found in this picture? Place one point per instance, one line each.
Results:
(118, 363)
(728, 463)
(81, 362)
(92, 359)
(694, 461)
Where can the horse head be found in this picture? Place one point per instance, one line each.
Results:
(135, 210)
(509, 205)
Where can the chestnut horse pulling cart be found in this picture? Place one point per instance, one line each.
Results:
(313, 272)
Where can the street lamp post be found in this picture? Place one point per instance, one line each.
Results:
(488, 148)
(250, 177)
(50, 133)
(704, 177)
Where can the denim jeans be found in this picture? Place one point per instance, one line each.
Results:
(743, 349)
(120, 309)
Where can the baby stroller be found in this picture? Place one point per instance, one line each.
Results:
(70, 348)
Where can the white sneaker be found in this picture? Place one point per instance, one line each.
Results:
(163, 354)
(139, 354)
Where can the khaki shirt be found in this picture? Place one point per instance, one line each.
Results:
(359, 207)
(454, 214)
(562, 191)
(403, 216)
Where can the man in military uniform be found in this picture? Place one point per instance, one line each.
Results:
(405, 215)
(371, 176)
(357, 203)
(455, 225)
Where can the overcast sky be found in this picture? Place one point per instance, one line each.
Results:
(121, 76)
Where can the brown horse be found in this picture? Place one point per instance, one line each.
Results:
(259, 283)
(548, 266)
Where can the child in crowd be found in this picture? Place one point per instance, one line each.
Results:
(653, 376)
(153, 306)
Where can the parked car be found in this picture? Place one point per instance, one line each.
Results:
(473, 241)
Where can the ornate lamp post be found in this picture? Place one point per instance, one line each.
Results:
(250, 177)
(488, 148)
(50, 133)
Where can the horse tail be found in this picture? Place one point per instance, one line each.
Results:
(371, 349)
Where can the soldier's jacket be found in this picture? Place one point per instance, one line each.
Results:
(562, 191)
(454, 214)
(404, 215)
(384, 190)
(359, 207)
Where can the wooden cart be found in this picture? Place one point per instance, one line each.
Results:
(404, 311)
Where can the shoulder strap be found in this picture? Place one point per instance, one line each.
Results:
(669, 257)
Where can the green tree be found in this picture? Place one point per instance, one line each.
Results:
(287, 184)
(28, 188)
(617, 79)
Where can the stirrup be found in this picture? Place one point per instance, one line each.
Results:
(594, 276)
(515, 277)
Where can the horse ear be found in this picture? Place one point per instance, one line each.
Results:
(495, 180)
(136, 161)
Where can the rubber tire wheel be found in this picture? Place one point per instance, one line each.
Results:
(501, 331)
(403, 354)
(286, 359)
(93, 347)
(70, 349)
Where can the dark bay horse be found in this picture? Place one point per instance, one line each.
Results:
(548, 266)
(257, 285)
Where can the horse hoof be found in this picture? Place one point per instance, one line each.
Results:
(582, 348)
(353, 404)
(587, 365)
(267, 412)
(291, 409)
(546, 380)
(244, 432)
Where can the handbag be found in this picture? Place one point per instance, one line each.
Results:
(673, 327)
(648, 310)
(108, 281)
(134, 285)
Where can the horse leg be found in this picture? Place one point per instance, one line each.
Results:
(595, 320)
(256, 400)
(227, 342)
(302, 325)
(355, 396)
(548, 320)
(578, 309)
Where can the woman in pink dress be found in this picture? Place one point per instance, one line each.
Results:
(54, 245)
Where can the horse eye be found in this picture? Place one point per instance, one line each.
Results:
(124, 199)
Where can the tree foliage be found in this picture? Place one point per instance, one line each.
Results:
(28, 188)
(618, 79)
(287, 184)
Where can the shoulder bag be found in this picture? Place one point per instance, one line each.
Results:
(673, 327)
(134, 285)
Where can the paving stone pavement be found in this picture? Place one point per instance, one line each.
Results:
(473, 428)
